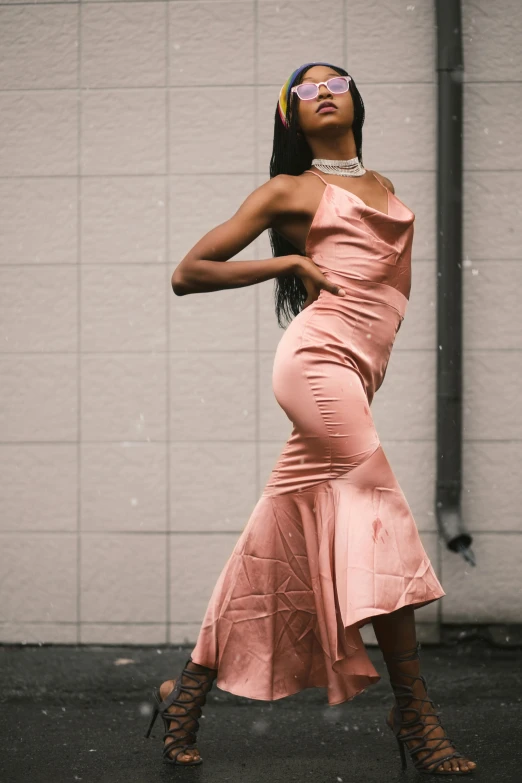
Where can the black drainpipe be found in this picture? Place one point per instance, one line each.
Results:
(449, 280)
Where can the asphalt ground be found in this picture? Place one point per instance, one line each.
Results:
(79, 713)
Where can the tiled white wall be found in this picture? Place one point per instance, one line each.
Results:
(137, 429)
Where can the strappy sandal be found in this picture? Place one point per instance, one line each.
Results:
(187, 720)
(403, 691)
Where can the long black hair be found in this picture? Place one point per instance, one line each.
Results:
(291, 154)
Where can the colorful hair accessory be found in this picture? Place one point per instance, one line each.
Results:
(284, 93)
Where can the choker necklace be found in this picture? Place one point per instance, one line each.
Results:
(345, 168)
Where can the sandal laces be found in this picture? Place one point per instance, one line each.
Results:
(403, 691)
(184, 719)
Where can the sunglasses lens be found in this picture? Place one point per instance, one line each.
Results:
(337, 84)
(306, 91)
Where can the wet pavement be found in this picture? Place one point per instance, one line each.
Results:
(71, 713)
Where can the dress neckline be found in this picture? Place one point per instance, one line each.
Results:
(385, 215)
(358, 198)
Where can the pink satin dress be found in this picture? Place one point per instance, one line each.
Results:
(331, 541)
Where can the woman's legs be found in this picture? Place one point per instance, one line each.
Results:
(396, 633)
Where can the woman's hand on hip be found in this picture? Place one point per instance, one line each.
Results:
(314, 280)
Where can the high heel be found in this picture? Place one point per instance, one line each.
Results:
(403, 691)
(187, 721)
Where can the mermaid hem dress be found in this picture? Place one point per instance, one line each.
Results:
(332, 541)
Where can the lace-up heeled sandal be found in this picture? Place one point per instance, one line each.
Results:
(405, 693)
(198, 685)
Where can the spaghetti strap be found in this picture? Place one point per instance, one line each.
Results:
(309, 171)
(380, 183)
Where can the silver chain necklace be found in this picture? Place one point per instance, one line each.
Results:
(345, 168)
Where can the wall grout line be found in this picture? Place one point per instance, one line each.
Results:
(156, 264)
(225, 173)
(219, 85)
(109, 623)
(17, 443)
(219, 532)
(105, 531)
(79, 194)
(257, 297)
(168, 294)
(232, 351)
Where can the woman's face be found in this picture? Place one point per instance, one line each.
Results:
(312, 122)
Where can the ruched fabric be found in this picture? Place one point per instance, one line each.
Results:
(331, 541)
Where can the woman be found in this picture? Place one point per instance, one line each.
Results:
(331, 544)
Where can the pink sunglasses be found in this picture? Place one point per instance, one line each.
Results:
(308, 90)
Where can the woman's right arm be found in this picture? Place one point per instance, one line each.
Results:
(200, 270)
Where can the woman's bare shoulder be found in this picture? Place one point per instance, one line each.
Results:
(284, 191)
(283, 184)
